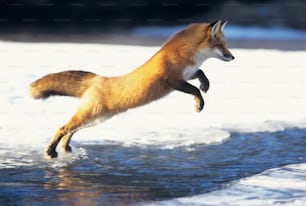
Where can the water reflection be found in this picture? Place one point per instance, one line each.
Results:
(75, 187)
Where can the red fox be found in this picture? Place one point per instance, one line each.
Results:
(169, 69)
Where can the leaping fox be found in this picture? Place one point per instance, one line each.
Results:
(169, 69)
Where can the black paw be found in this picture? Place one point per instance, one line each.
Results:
(50, 153)
(67, 149)
(204, 87)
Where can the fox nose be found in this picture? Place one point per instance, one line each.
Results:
(229, 57)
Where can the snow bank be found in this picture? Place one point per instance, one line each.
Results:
(261, 90)
(281, 186)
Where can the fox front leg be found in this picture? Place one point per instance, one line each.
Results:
(184, 86)
(203, 80)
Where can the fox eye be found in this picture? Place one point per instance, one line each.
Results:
(220, 45)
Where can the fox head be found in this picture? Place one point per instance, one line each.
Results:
(198, 42)
(217, 42)
(211, 42)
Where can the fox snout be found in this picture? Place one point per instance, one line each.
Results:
(227, 56)
(224, 54)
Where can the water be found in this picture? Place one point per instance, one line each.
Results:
(113, 174)
(247, 147)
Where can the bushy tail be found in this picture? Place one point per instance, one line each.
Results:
(68, 83)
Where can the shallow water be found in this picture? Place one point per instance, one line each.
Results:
(114, 174)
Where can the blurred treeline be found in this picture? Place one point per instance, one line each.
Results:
(121, 14)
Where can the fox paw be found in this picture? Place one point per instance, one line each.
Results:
(199, 106)
(204, 87)
(50, 154)
(67, 149)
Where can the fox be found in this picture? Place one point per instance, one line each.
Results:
(169, 69)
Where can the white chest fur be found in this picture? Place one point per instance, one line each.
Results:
(198, 59)
(189, 72)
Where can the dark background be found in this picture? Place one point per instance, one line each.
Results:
(111, 21)
(79, 16)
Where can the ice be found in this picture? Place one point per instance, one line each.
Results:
(280, 186)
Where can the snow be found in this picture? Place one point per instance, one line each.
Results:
(261, 90)
(281, 186)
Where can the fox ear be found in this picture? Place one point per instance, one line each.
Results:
(215, 26)
(223, 23)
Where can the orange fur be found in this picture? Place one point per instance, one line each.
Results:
(103, 97)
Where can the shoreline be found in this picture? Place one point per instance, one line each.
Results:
(126, 39)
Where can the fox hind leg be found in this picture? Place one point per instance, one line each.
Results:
(83, 118)
(66, 141)
(64, 133)
(87, 114)
(51, 148)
